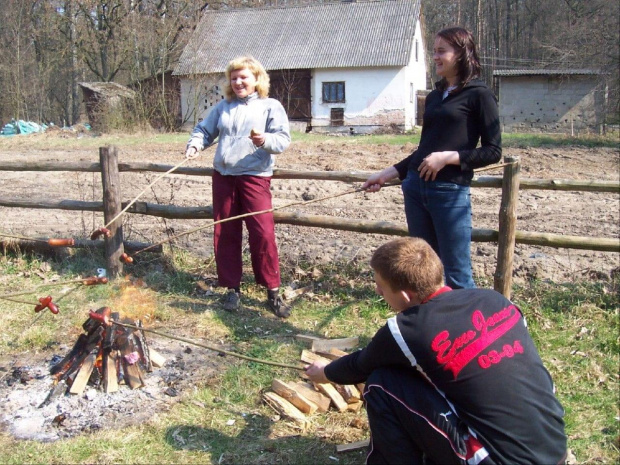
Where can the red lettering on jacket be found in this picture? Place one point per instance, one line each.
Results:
(455, 355)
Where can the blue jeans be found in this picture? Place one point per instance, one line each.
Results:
(440, 213)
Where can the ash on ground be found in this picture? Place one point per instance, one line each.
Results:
(29, 412)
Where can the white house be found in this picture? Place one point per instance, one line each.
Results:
(352, 66)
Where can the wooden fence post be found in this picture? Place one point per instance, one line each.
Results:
(112, 205)
(507, 226)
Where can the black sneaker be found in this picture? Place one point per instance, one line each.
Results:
(277, 306)
(231, 301)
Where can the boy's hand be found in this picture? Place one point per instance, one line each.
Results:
(316, 372)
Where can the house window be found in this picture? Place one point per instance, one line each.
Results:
(411, 93)
(336, 117)
(416, 50)
(333, 92)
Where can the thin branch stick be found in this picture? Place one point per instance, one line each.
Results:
(24, 238)
(185, 160)
(487, 168)
(205, 346)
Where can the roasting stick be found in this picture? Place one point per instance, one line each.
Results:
(260, 212)
(185, 160)
(90, 281)
(107, 321)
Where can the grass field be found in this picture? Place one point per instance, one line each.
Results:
(575, 327)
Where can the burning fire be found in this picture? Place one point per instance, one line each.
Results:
(135, 301)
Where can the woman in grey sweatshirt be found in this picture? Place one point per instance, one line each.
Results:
(252, 128)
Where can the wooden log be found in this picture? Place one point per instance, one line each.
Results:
(348, 392)
(324, 345)
(307, 339)
(309, 392)
(507, 227)
(353, 445)
(110, 373)
(285, 408)
(293, 396)
(43, 247)
(83, 375)
(344, 176)
(143, 348)
(92, 340)
(157, 359)
(108, 157)
(330, 391)
(310, 357)
(355, 406)
(131, 372)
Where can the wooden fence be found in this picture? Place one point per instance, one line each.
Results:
(506, 235)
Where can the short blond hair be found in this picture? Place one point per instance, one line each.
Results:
(409, 263)
(251, 63)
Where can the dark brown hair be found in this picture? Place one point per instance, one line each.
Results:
(409, 263)
(468, 63)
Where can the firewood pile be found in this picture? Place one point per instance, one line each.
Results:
(104, 356)
(296, 400)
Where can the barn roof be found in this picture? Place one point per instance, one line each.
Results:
(325, 35)
(544, 72)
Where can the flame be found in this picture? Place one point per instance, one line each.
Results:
(135, 300)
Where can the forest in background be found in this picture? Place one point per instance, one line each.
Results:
(49, 46)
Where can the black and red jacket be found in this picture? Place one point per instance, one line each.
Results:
(474, 347)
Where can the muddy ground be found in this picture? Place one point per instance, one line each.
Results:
(559, 212)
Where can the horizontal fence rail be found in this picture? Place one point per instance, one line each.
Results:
(342, 176)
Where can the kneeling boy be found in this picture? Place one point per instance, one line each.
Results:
(454, 377)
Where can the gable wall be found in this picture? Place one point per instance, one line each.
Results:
(546, 103)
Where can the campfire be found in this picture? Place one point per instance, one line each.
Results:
(110, 352)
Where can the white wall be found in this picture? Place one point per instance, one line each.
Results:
(373, 96)
(198, 96)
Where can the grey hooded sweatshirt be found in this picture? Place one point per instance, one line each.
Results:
(232, 121)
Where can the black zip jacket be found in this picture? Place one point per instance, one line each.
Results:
(458, 123)
(474, 347)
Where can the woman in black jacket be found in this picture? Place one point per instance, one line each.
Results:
(459, 114)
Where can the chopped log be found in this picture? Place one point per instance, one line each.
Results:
(348, 392)
(157, 359)
(132, 372)
(353, 446)
(77, 349)
(285, 408)
(311, 357)
(92, 341)
(324, 345)
(330, 391)
(297, 399)
(305, 338)
(110, 374)
(310, 393)
(356, 406)
(83, 375)
(143, 348)
(333, 353)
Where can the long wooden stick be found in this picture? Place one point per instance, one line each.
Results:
(205, 346)
(185, 160)
(260, 212)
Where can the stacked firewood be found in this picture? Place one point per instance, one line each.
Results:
(106, 355)
(296, 400)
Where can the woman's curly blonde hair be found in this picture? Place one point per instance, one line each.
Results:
(251, 63)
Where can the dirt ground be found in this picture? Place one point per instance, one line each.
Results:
(571, 213)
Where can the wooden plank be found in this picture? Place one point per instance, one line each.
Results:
(333, 353)
(83, 374)
(110, 374)
(348, 392)
(355, 407)
(310, 357)
(324, 345)
(353, 446)
(297, 399)
(306, 338)
(285, 408)
(157, 359)
(309, 392)
(331, 392)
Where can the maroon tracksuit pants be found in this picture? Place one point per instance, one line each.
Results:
(233, 196)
